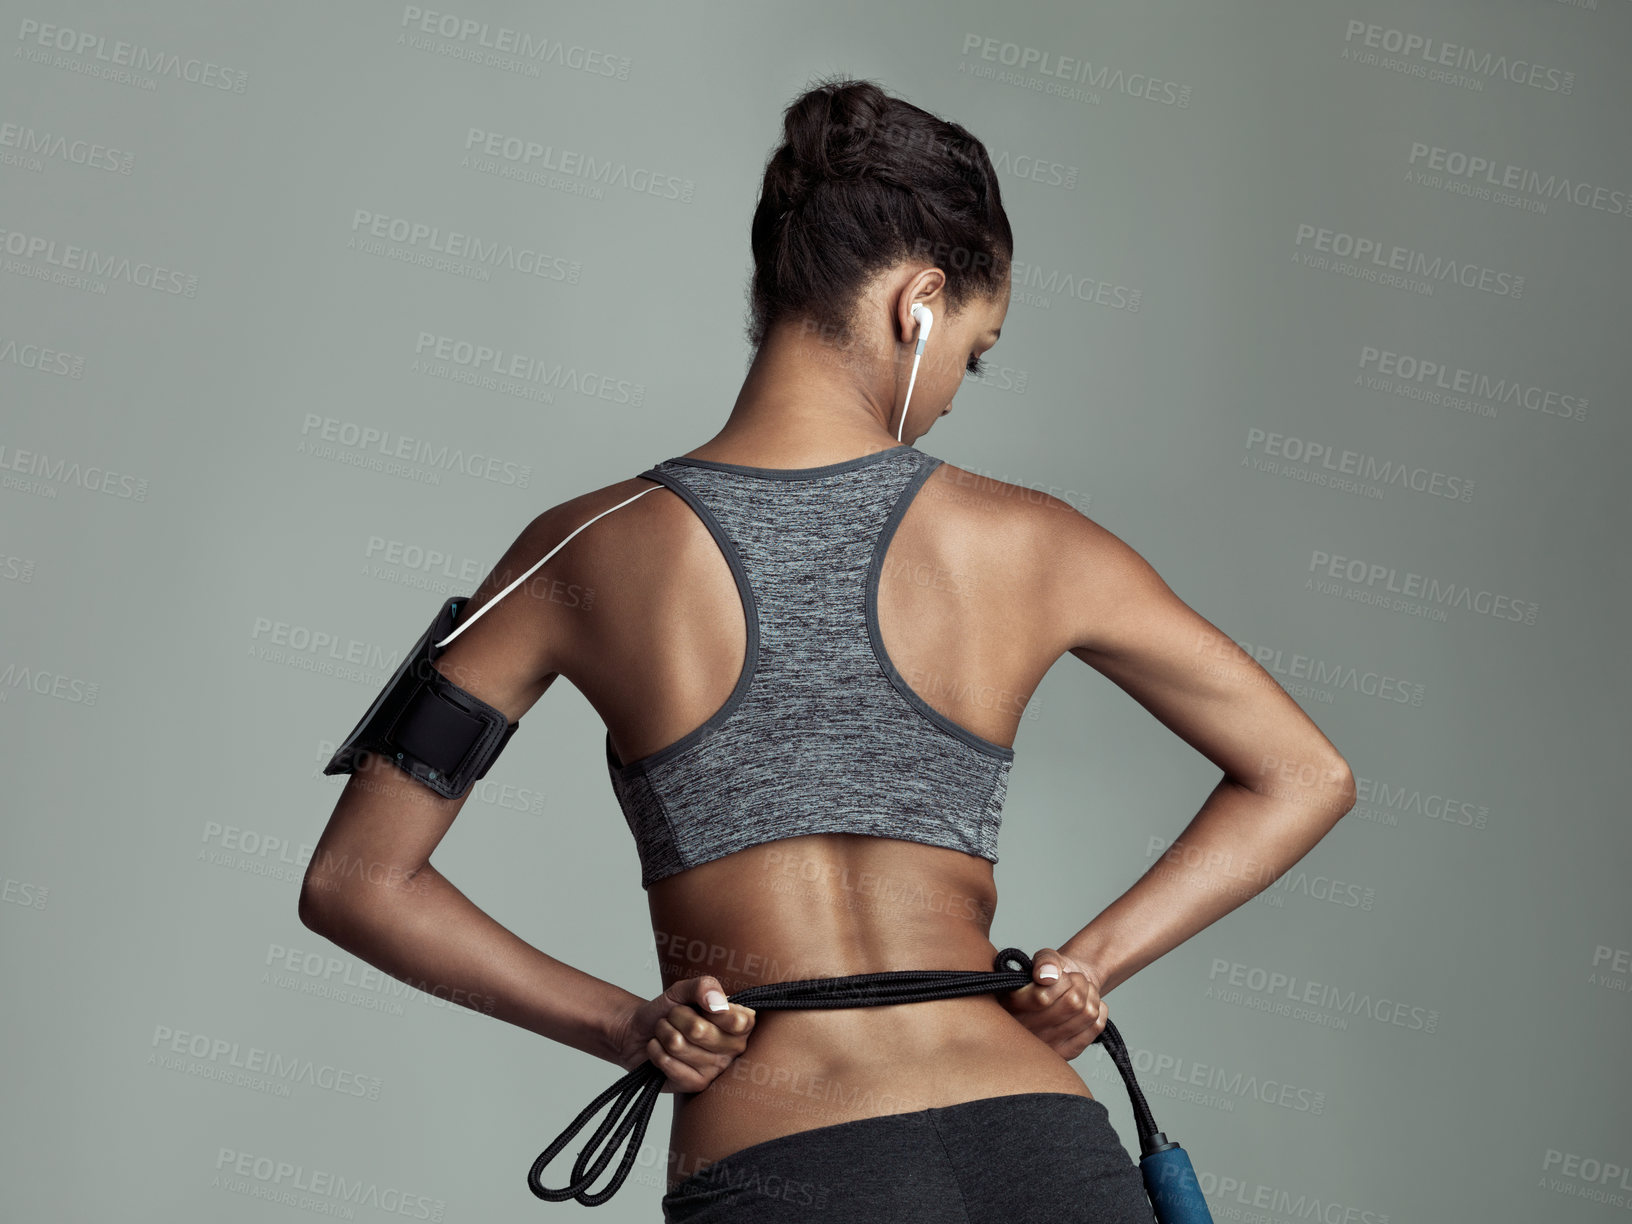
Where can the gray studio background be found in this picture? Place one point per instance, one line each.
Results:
(1321, 307)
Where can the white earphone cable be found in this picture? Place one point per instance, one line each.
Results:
(467, 624)
(923, 334)
(910, 381)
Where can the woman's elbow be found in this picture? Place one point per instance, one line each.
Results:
(1342, 789)
(321, 902)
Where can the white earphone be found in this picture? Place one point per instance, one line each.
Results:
(926, 320)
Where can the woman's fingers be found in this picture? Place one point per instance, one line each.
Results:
(1056, 986)
(1061, 1004)
(1070, 1001)
(721, 1033)
(1072, 1023)
(693, 1043)
(688, 1067)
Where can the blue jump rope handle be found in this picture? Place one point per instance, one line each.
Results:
(1171, 1185)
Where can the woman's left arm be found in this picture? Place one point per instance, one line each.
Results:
(1284, 786)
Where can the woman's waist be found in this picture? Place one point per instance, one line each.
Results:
(840, 1064)
(805, 1069)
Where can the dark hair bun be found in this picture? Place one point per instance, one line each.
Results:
(860, 182)
(830, 132)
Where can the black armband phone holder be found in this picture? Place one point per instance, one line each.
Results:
(427, 725)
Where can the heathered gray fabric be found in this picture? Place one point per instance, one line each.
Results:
(1028, 1158)
(821, 734)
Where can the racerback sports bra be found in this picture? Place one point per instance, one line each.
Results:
(821, 733)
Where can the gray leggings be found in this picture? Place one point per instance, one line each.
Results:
(1027, 1158)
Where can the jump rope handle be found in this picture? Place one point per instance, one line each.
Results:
(1170, 1179)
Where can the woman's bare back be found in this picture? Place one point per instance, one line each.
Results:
(658, 647)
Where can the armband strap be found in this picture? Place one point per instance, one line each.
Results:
(426, 725)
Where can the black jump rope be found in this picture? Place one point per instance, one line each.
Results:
(1170, 1181)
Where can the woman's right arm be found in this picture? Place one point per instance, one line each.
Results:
(414, 924)
(404, 917)
(371, 888)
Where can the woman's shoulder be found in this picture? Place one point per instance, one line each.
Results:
(1017, 514)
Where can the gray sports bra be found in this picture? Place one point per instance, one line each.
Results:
(821, 734)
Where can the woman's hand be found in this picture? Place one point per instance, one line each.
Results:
(683, 1036)
(1061, 1005)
